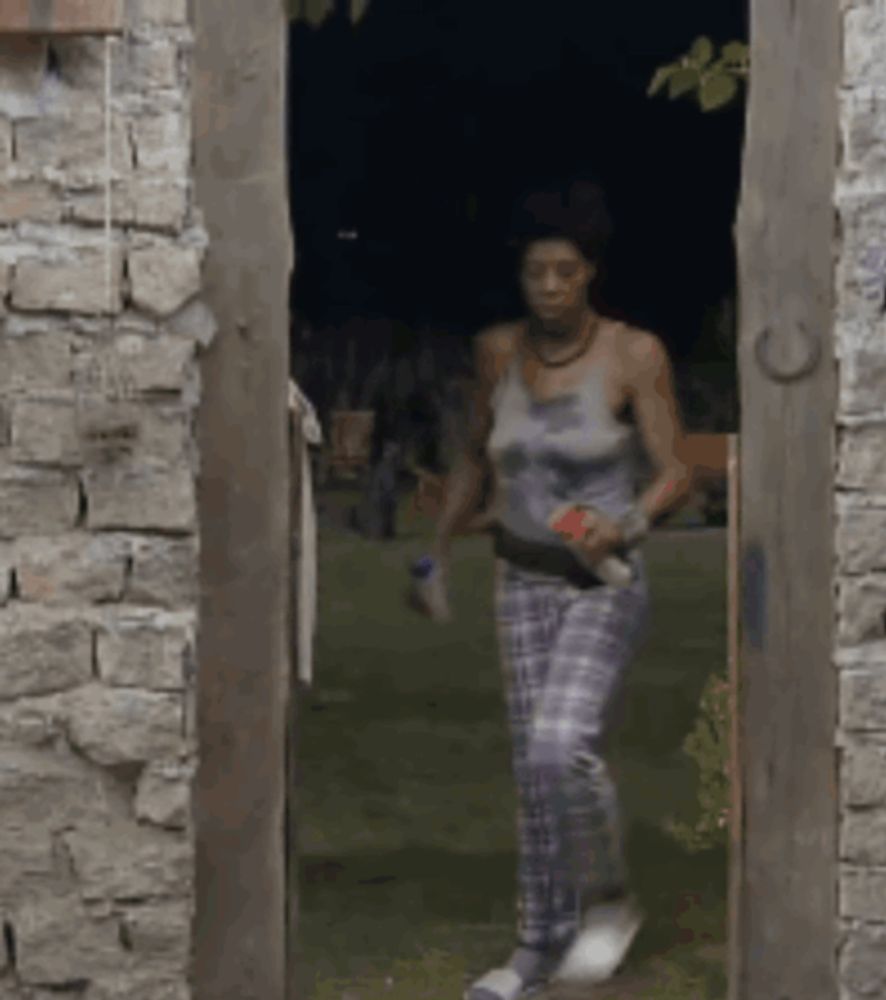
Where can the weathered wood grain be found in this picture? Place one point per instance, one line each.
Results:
(787, 921)
(736, 819)
(245, 649)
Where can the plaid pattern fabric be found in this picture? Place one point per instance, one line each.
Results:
(564, 654)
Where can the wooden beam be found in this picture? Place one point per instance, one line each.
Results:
(736, 818)
(786, 926)
(61, 17)
(291, 927)
(243, 917)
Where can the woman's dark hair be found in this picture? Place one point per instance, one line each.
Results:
(575, 211)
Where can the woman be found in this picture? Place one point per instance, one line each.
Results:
(558, 398)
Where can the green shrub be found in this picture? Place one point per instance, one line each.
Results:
(708, 745)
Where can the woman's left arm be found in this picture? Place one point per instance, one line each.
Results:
(651, 387)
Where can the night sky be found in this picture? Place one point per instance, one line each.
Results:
(419, 127)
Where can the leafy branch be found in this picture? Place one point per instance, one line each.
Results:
(316, 11)
(714, 80)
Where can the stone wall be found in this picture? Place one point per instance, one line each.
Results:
(99, 384)
(861, 501)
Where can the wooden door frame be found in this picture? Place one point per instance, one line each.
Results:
(783, 887)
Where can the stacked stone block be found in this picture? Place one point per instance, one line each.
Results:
(861, 501)
(99, 384)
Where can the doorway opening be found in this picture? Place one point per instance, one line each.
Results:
(413, 132)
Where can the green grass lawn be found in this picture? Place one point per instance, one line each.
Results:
(406, 805)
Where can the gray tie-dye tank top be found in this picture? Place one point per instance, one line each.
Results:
(549, 453)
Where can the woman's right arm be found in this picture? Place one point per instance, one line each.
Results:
(464, 485)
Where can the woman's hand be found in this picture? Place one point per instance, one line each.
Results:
(602, 537)
(595, 535)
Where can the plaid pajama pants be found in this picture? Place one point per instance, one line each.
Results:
(564, 654)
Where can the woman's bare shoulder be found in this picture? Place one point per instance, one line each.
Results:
(495, 347)
(639, 349)
(498, 340)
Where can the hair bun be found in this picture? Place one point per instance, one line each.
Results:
(575, 211)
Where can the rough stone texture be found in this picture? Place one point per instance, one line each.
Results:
(144, 364)
(162, 12)
(864, 118)
(57, 939)
(163, 277)
(44, 432)
(864, 837)
(862, 375)
(163, 572)
(5, 142)
(862, 609)
(162, 141)
(163, 796)
(34, 201)
(72, 569)
(144, 654)
(114, 726)
(864, 53)
(141, 498)
(862, 463)
(861, 540)
(30, 862)
(159, 931)
(195, 322)
(154, 64)
(98, 526)
(862, 968)
(35, 362)
(860, 656)
(22, 75)
(77, 284)
(863, 778)
(141, 985)
(82, 156)
(153, 435)
(36, 502)
(6, 565)
(862, 892)
(41, 654)
(155, 865)
(45, 791)
(863, 700)
(141, 202)
(859, 295)
(157, 364)
(33, 722)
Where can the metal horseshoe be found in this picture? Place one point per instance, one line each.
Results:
(813, 346)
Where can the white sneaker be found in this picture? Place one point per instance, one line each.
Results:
(602, 944)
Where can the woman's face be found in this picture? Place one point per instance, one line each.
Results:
(555, 276)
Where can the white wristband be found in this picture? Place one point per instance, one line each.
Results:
(634, 527)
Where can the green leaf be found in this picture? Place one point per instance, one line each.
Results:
(701, 53)
(685, 80)
(717, 90)
(316, 11)
(736, 53)
(662, 75)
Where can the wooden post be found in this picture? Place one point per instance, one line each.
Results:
(736, 839)
(241, 947)
(787, 924)
(291, 769)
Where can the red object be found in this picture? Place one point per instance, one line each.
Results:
(572, 524)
